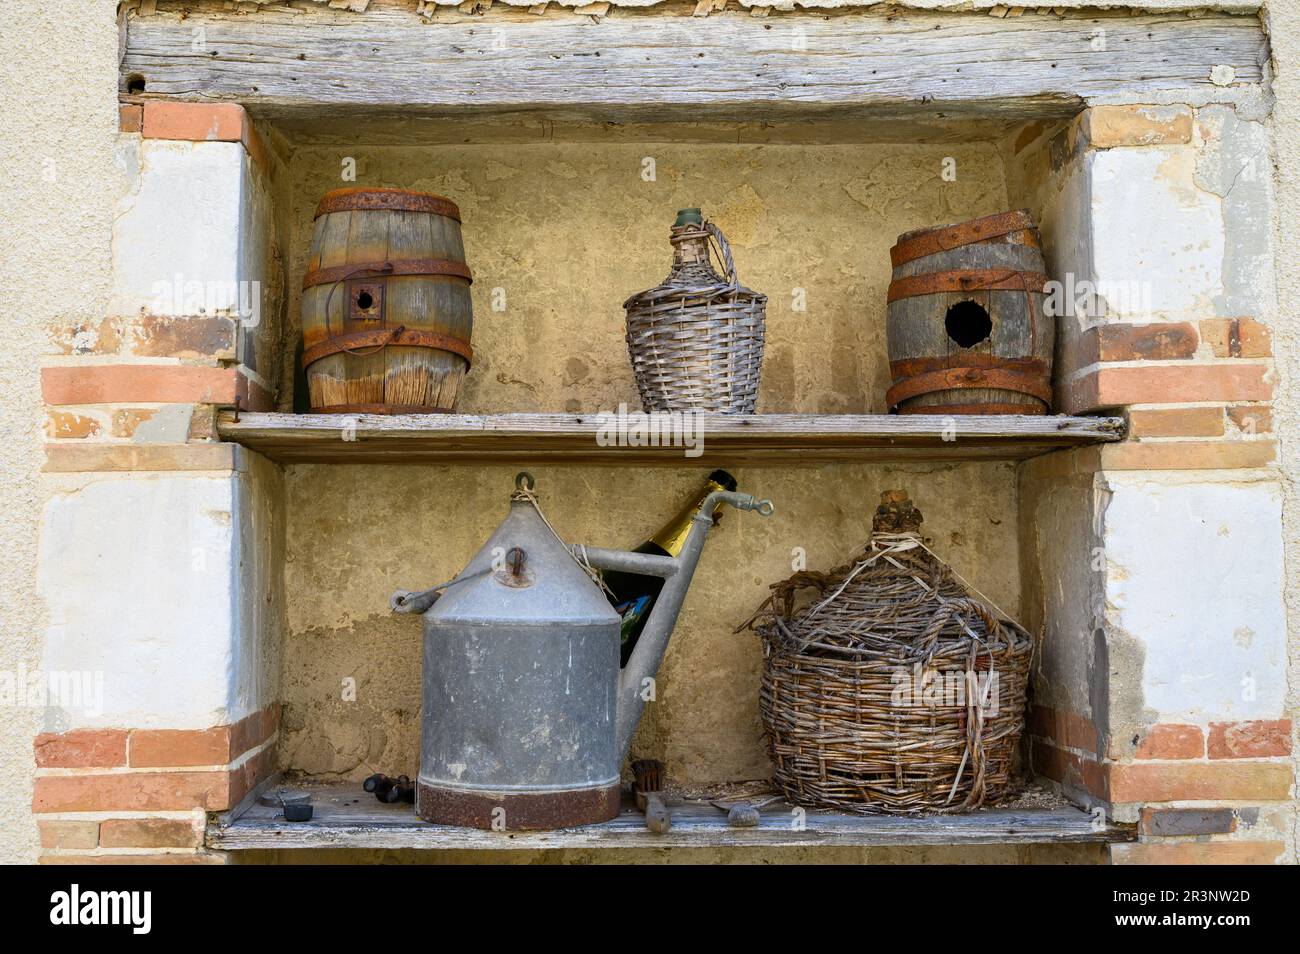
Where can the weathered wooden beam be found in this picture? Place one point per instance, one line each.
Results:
(662, 67)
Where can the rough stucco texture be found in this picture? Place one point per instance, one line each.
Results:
(1283, 21)
(59, 97)
(350, 546)
(558, 235)
(566, 231)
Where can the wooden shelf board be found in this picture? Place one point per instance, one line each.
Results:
(724, 439)
(346, 817)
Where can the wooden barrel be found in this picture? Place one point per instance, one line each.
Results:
(386, 312)
(968, 330)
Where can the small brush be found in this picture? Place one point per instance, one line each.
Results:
(647, 786)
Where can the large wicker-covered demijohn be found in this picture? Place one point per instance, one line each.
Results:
(887, 686)
(696, 339)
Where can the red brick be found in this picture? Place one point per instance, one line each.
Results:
(1154, 341)
(1172, 742)
(253, 730)
(1197, 853)
(1137, 125)
(1250, 740)
(203, 122)
(196, 122)
(1177, 822)
(150, 833)
(1237, 338)
(219, 745)
(1160, 341)
(166, 748)
(171, 858)
(168, 336)
(1188, 821)
(133, 791)
(149, 336)
(1070, 769)
(254, 397)
(1252, 418)
(126, 420)
(1199, 781)
(69, 834)
(63, 425)
(81, 748)
(245, 734)
(130, 117)
(1107, 387)
(1187, 455)
(108, 458)
(203, 423)
(245, 778)
(270, 720)
(1064, 728)
(129, 383)
(84, 337)
(1176, 422)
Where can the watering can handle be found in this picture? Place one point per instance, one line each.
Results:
(740, 501)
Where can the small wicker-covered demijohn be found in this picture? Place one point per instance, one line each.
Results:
(894, 689)
(696, 339)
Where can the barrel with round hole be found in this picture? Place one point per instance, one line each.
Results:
(968, 331)
(386, 314)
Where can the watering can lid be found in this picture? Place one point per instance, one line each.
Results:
(555, 588)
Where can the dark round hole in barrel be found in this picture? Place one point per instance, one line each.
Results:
(364, 301)
(135, 83)
(967, 323)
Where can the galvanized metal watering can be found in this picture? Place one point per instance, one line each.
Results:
(527, 717)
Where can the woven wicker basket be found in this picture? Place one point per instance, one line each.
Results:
(894, 690)
(696, 340)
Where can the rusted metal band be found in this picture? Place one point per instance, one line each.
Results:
(517, 811)
(964, 233)
(383, 337)
(951, 379)
(380, 409)
(409, 266)
(386, 200)
(967, 280)
(1037, 408)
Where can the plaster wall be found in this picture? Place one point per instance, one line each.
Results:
(357, 533)
(166, 589)
(562, 233)
(1194, 576)
(559, 234)
(179, 226)
(58, 92)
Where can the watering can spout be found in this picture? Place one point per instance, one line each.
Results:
(635, 682)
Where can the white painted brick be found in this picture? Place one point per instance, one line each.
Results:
(181, 221)
(141, 578)
(1195, 574)
(1152, 224)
